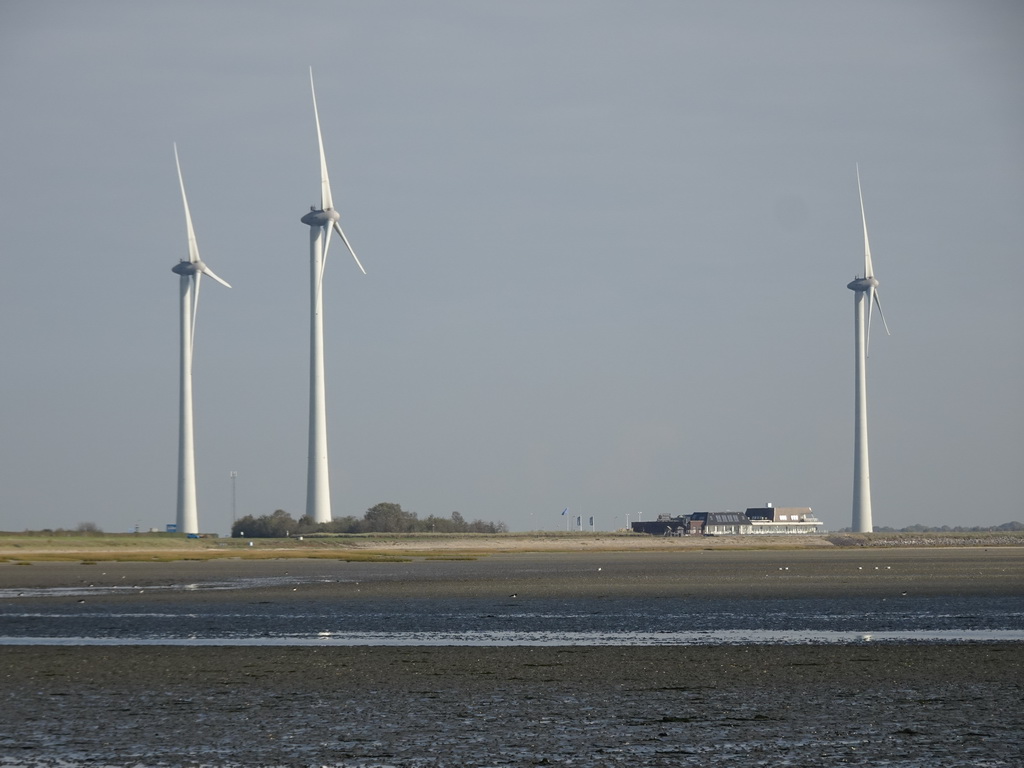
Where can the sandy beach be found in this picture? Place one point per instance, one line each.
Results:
(864, 704)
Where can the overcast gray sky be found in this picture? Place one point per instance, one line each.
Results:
(607, 243)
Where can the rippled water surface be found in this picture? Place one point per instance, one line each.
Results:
(509, 621)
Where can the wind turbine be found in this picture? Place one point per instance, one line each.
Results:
(191, 272)
(322, 221)
(865, 293)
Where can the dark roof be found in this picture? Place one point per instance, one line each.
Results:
(721, 518)
(728, 518)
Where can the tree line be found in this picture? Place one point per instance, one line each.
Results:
(380, 518)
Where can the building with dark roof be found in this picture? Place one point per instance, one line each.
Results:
(766, 520)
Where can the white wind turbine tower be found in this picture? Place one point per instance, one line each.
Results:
(865, 293)
(322, 222)
(191, 272)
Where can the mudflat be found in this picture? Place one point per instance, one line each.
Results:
(678, 573)
(921, 705)
(865, 704)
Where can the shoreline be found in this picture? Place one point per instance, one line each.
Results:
(38, 548)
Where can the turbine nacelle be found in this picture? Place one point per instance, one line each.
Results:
(189, 268)
(196, 269)
(863, 284)
(318, 217)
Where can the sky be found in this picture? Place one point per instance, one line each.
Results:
(607, 247)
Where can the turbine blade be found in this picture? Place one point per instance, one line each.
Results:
(327, 243)
(193, 249)
(867, 333)
(323, 265)
(337, 226)
(207, 271)
(869, 270)
(326, 203)
(196, 278)
(878, 303)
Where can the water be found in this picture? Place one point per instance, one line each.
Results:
(25, 618)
